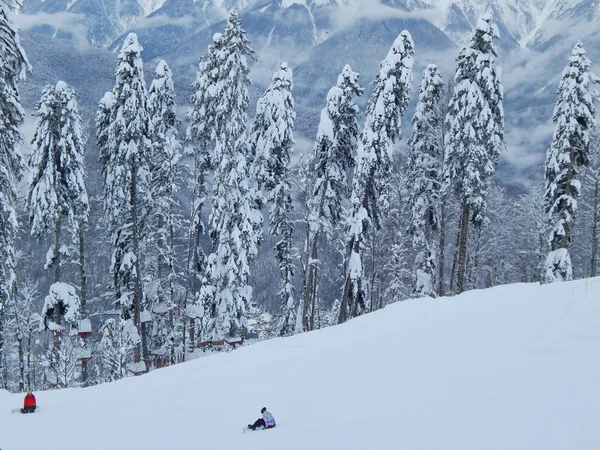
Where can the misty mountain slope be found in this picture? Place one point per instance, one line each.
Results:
(104, 20)
(89, 71)
(514, 367)
(364, 45)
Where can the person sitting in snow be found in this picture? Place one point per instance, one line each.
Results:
(266, 421)
(29, 405)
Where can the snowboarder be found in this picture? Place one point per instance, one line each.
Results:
(266, 421)
(29, 405)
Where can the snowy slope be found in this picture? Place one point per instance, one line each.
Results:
(510, 368)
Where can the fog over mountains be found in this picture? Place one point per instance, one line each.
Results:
(74, 40)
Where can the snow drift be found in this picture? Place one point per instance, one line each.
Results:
(510, 368)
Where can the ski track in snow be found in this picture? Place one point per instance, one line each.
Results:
(515, 367)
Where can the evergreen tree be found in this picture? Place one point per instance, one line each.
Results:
(166, 160)
(13, 67)
(424, 175)
(475, 130)
(235, 222)
(61, 307)
(574, 116)
(271, 141)
(332, 158)
(57, 196)
(201, 117)
(392, 89)
(123, 133)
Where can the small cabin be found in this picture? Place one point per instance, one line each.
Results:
(139, 368)
(84, 328)
(86, 354)
(234, 340)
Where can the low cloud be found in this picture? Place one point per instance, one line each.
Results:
(162, 20)
(355, 10)
(74, 24)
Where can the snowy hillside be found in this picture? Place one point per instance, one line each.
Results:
(510, 368)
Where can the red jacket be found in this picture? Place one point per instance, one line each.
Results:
(29, 401)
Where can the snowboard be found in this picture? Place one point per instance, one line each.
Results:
(18, 410)
(246, 429)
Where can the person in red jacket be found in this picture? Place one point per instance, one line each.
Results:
(29, 405)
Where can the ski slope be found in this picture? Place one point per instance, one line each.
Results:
(510, 368)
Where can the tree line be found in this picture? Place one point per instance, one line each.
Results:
(355, 226)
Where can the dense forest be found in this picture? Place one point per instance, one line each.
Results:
(201, 232)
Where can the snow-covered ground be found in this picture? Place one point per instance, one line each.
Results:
(511, 368)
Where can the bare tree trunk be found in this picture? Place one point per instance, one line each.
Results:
(595, 225)
(346, 303)
(140, 350)
(310, 283)
(83, 297)
(29, 374)
(462, 248)
(442, 251)
(56, 337)
(21, 360)
(4, 369)
(57, 261)
(455, 262)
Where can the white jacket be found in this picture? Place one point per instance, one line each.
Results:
(269, 419)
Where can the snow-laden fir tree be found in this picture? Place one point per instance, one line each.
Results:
(391, 93)
(574, 116)
(61, 307)
(201, 133)
(123, 134)
(13, 67)
(166, 179)
(57, 198)
(235, 222)
(475, 131)
(424, 177)
(332, 158)
(271, 142)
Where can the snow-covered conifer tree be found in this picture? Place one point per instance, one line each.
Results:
(61, 307)
(235, 222)
(14, 66)
(424, 177)
(201, 117)
(165, 169)
(332, 157)
(123, 133)
(574, 116)
(475, 130)
(391, 93)
(57, 197)
(271, 141)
